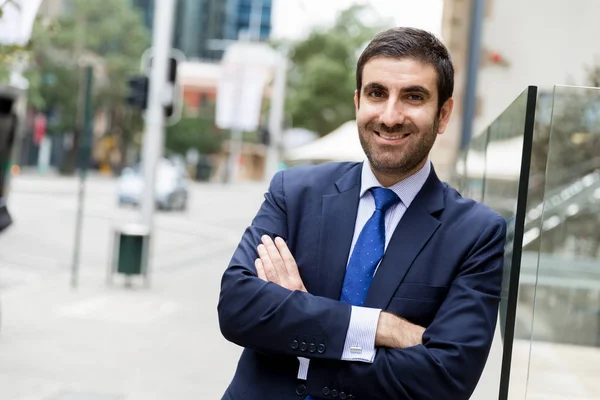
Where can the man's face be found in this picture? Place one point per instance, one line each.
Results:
(397, 114)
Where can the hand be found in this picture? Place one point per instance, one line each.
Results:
(397, 333)
(276, 264)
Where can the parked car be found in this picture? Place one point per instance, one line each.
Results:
(171, 186)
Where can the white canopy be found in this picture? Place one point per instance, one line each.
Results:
(340, 145)
(502, 160)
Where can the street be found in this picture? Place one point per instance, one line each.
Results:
(100, 342)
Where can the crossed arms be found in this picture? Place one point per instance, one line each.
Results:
(267, 310)
(276, 264)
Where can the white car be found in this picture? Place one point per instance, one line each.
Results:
(171, 186)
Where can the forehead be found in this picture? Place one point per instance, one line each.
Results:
(396, 73)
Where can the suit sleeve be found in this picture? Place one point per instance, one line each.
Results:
(449, 363)
(267, 317)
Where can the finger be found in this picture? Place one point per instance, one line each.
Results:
(275, 257)
(293, 274)
(260, 269)
(268, 267)
(287, 257)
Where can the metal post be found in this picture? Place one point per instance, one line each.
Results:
(153, 143)
(276, 117)
(235, 153)
(477, 14)
(256, 20)
(84, 159)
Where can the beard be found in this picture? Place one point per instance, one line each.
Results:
(401, 159)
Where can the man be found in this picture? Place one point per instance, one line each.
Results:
(369, 280)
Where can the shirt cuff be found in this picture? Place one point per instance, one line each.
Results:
(360, 339)
(303, 368)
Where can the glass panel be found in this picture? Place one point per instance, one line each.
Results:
(475, 167)
(566, 328)
(500, 158)
(530, 250)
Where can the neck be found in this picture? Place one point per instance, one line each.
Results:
(389, 178)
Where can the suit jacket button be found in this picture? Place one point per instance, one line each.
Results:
(301, 390)
(294, 345)
(325, 391)
(321, 348)
(303, 346)
(312, 348)
(334, 393)
(342, 395)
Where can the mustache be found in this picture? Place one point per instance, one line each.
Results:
(398, 128)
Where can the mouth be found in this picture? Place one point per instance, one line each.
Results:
(392, 137)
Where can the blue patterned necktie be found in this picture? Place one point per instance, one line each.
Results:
(368, 251)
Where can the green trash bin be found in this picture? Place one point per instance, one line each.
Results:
(131, 244)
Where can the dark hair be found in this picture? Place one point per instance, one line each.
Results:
(415, 44)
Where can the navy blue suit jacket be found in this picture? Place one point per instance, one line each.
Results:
(442, 270)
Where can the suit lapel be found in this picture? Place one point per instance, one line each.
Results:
(339, 211)
(412, 234)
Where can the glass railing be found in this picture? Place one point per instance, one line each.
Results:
(565, 348)
(538, 165)
(495, 170)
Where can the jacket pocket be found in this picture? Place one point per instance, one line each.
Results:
(421, 292)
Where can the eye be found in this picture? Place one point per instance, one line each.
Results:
(376, 93)
(415, 97)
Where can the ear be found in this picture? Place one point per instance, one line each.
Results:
(356, 100)
(445, 114)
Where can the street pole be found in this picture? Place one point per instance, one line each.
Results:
(235, 154)
(84, 159)
(276, 116)
(477, 15)
(256, 19)
(153, 143)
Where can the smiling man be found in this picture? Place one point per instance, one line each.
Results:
(369, 280)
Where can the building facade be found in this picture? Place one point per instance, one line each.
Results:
(203, 28)
(537, 42)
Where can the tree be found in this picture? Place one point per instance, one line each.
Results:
(112, 35)
(195, 132)
(321, 80)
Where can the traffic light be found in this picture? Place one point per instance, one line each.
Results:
(172, 78)
(137, 95)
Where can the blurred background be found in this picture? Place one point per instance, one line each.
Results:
(122, 197)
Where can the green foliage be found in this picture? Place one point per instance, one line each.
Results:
(198, 132)
(321, 79)
(110, 35)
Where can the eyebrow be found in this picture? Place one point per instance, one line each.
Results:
(409, 89)
(416, 89)
(374, 86)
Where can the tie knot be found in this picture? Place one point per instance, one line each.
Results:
(384, 198)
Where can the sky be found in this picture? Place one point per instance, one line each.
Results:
(293, 19)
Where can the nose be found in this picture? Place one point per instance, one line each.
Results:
(392, 114)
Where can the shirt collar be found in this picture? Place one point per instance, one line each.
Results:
(406, 189)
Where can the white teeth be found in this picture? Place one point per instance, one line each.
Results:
(392, 137)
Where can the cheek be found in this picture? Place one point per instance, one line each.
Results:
(366, 113)
(422, 117)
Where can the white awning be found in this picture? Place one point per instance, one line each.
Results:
(340, 145)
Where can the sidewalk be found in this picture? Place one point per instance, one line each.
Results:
(109, 343)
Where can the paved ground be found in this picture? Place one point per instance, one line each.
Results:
(108, 343)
